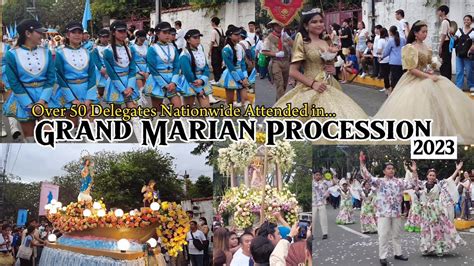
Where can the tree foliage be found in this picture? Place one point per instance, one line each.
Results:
(118, 180)
(346, 159)
(57, 13)
(202, 188)
(20, 195)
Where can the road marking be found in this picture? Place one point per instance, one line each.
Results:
(353, 231)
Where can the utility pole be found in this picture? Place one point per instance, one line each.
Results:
(32, 10)
(4, 182)
(157, 12)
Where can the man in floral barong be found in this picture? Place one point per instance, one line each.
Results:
(320, 194)
(389, 206)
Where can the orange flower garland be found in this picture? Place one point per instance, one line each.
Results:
(171, 221)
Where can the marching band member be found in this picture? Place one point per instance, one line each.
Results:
(75, 71)
(98, 58)
(163, 63)
(140, 50)
(235, 77)
(6, 93)
(195, 71)
(30, 72)
(121, 86)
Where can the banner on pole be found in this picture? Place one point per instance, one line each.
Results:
(22, 217)
(283, 10)
(48, 193)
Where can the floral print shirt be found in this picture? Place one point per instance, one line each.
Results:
(320, 192)
(389, 195)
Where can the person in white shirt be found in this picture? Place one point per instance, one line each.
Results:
(251, 36)
(242, 256)
(180, 42)
(376, 73)
(401, 23)
(383, 62)
(196, 255)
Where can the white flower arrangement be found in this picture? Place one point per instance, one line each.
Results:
(245, 205)
(283, 154)
(237, 155)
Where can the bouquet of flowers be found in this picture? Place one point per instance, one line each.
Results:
(283, 154)
(245, 205)
(238, 154)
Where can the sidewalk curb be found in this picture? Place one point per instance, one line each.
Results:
(378, 83)
(220, 92)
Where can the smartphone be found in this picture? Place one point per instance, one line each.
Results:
(303, 229)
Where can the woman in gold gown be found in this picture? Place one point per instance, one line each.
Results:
(315, 86)
(421, 94)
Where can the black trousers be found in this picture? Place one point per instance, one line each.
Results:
(446, 68)
(216, 62)
(396, 73)
(405, 207)
(376, 67)
(385, 74)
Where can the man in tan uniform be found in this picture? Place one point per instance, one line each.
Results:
(278, 46)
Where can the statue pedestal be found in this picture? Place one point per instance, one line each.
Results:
(54, 254)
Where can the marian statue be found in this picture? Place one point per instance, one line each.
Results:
(87, 173)
(257, 179)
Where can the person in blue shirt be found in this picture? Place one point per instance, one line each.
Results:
(30, 72)
(140, 48)
(163, 62)
(121, 87)
(235, 77)
(351, 66)
(98, 59)
(86, 41)
(195, 71)
(75, 71)
(394, 51)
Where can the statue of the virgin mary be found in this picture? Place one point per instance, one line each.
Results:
(87, 173)
(256, 172)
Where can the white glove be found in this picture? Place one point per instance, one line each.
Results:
(284, 35)
(280, 54)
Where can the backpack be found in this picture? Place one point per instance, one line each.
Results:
(221, 44)
(464, 44)
(249, 59)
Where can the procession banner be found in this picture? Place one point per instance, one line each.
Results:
(283, 10)
(22, 217)
(48, 193)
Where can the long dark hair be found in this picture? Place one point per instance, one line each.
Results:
(22, 38)
(414, 29)
(193, 60)
(305, 21)
(394, 31)
(228, 41)
(383, 33)
(113, 44)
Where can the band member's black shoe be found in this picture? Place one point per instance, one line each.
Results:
(401, 257)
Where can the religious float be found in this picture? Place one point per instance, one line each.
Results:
(261, 191)
(91, 234)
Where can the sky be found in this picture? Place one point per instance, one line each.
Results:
(32, 162)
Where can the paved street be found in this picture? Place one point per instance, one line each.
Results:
(348, 246)
(368, 98)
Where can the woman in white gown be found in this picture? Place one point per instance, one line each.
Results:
(421, 94)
